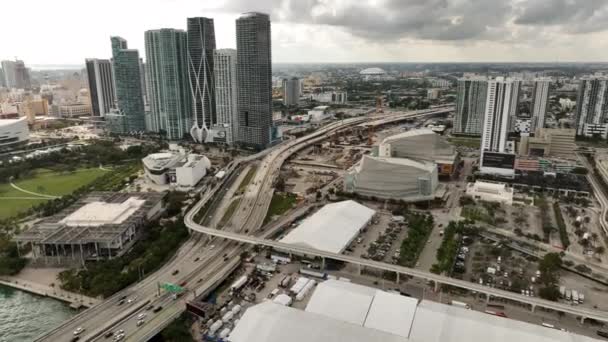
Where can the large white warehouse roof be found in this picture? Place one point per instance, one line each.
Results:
(332, 228)
(372, 71)
(341, 311)
(271, 322)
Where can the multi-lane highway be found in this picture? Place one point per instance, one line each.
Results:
(197, 259)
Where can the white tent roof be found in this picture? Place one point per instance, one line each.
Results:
(341, 300)
(336, 312)
(282, 299)
(445, 323)
(270, 322)
(365, 306)
(332, 228)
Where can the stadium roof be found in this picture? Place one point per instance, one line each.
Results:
(332, 315)
(9, 122)
(419, 164)
(372, 71)
(332, 228)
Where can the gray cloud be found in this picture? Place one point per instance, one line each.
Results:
(443, 20)
(572, 16)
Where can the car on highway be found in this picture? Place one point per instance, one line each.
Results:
(157, 309)
(121, 302)
(141, 316)
(197, 259)
(131, 300)
(108, 334)
(78, 331)
(119, 337)
(75, 338)
(140, 322)
(150, 307)
(175, 272)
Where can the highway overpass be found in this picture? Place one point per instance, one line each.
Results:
(438, 279)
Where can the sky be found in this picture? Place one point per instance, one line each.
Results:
(322, 31)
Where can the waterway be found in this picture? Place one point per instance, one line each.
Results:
(24, 316)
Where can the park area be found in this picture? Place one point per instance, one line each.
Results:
(41, 186)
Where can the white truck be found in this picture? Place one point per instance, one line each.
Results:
(562, 291)
(568, 295)
(574, 296)
(460, 304)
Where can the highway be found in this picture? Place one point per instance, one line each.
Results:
(109, 316)
(533, 301)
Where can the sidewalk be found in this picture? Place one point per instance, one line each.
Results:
(75, 300)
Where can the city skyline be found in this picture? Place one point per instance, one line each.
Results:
(337, 31)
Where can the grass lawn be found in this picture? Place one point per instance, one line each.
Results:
(229, 212)
(247, 178)
(45, 182)
(281, 203)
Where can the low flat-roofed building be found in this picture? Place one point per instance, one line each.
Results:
(393, 178)
(332, 228)
(99, 225)
(551, 142)
(490, 192)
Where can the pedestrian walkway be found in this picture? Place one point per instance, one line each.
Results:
(33, 193)
(74, 299)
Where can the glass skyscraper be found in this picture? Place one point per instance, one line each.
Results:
(201, 43)
(170, 98)
(254, 80)
(130, 115)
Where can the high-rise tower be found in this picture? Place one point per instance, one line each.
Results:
(592, 107)
(470, 105)
(130, 116)
(291, 91)
(170, 100)
(540, 100)
(226, 92)
(201, 43)
(101, 85)
(254, 80)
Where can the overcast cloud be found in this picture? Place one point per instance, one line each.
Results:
(67, 31)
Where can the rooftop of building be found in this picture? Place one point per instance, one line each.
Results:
(331, 228)
(97, 217)
(418, 164)
(343, 311)
(9, 122)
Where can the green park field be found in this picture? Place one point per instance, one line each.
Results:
(40, 187)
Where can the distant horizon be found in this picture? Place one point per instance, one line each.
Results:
(40, 67)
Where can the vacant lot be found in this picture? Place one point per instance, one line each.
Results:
(45, 182)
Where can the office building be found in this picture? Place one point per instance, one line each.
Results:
(224, 63)
(171, 101)
(129, 117)
(101, 86)
(201, 43)
(291, 91)
(16, 75)
(496, 152)
(548, 142)
(2, 79)
(333, 97)
(500, 102)
(592, 107)
(254, 80)
(470, 105)
(144, 85)
(540, 100)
